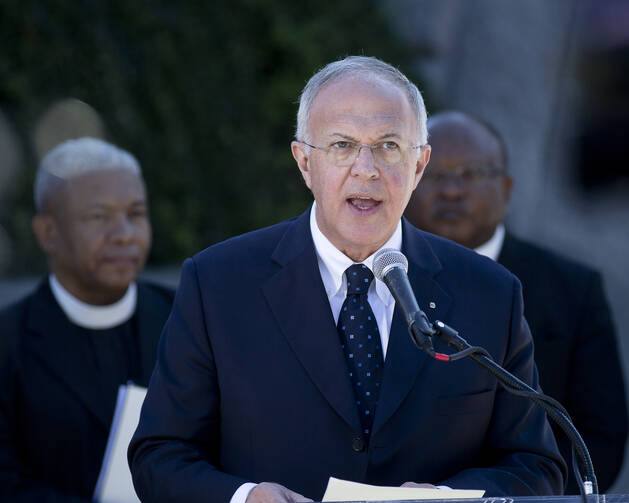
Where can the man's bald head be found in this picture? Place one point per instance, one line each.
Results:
(462, 130)
(465, 190)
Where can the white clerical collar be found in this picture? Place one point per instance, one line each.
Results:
(492, 247)
(333, 262)
(94, 317)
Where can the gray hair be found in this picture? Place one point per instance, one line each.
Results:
(359, 66)
(77, 157)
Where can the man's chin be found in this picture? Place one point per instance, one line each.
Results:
(118, 283)
(453, 232)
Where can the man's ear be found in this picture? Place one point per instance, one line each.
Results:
(507, 186)
(45, 230)
(422, 162)
(301, 156)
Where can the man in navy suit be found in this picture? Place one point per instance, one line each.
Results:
(464, 197)
(253, 397)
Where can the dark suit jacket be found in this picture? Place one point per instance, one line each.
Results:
(251, 382)
(53, 425)
(575, 350)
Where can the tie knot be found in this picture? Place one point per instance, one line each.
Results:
(359, 278)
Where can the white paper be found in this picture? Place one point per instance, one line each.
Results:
(344, 490)
(114, 482)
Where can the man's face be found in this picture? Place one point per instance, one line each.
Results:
(97, 234)
(465, 192)
(359, 205)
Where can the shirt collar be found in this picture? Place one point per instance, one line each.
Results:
(333, 262)
(94, 317)
(492, 247)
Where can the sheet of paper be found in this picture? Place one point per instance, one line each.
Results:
(114, 482)
(344, 490)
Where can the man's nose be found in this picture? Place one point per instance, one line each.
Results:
(365, 163)
(452, 186)
(122, 229)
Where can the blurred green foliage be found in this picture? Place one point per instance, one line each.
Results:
(203, 93)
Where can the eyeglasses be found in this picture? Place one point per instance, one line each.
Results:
(467, 175)
(344, 153)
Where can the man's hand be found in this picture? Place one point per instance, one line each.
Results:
(269, 492)
(415, 484)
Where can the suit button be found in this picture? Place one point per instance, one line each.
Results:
(358, 444)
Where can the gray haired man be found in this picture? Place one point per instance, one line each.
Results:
(284, 362)
(87, 328)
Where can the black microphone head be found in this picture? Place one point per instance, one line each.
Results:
(385, 260)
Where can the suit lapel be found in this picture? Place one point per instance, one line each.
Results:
(312, 333)
(404, 362)
(57, 346)
(300, 305)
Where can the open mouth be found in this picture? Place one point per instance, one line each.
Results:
(363, 203)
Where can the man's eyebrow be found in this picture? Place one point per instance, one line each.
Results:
(96, 205)
(345, 136)
(355, 140)
(389, 135)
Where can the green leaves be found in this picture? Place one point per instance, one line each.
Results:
(203, 93)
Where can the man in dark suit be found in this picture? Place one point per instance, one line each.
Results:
(284, 363)
(86, 329)
(464, 197)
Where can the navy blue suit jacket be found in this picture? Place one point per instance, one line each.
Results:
(251, 382)
(575, 350)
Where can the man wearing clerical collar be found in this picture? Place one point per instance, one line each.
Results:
(88, 328)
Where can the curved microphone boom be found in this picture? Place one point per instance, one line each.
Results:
(390, 266)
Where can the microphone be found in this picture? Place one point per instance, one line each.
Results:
(390, 267)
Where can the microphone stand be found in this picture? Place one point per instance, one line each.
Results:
(422, 331)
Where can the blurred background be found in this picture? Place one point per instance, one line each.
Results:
(204, 94)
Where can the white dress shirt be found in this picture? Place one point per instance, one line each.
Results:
(91, 316)
(492, 248)
(332, 266)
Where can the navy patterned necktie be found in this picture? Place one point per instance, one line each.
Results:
(361, 344)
